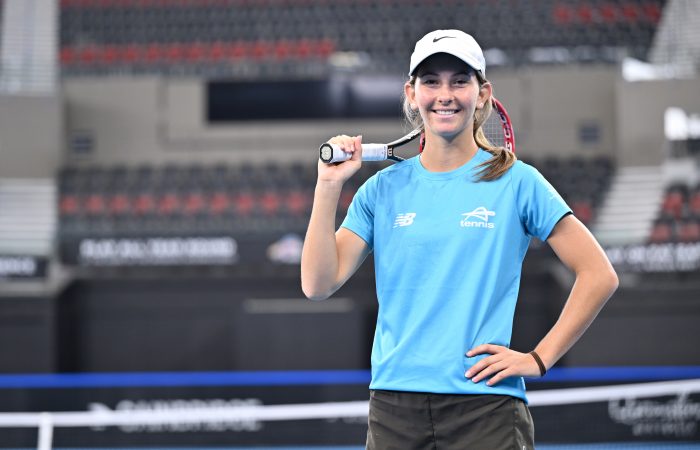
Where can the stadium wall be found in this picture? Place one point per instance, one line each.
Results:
(31, 135)
(158, 120)
(640, 108)
(556, 111)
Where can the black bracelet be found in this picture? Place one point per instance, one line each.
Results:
(539, 362)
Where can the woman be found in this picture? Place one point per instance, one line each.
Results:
(449, 230)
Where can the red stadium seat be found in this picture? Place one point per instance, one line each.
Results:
(673, 204)
(144, 204)
(583, 210)
(195, 52)
(237, 50)
(154, 53)
(282, 49)
(216, 51)
(694, 203)
(298, 202)
(119, 204)
(244, 203)
(219, 203)
(260, 50)
(651, 12)
(608, 13)
(584, 14)
(662, 232)
(131, 53)
(174, 52)
(67, 55)
(95, 204)
(194, 203)
(689, 231)
(87, 55)
(69, 205)
(325, 48)
(270, 202)
(109, 54)
(168, 204)
(630, 12)
(562, 15)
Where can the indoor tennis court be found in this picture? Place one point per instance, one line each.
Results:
(159, 164)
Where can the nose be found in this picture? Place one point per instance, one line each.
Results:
(445, 96)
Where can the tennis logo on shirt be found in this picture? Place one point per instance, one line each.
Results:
(480, 213)
(404, 219)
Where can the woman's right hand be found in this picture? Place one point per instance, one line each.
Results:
(341, 172)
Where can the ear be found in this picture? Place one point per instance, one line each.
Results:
(410, 91)
(485, 93)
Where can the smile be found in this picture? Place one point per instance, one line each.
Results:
(445, 112)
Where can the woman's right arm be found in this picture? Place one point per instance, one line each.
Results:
(329, 258)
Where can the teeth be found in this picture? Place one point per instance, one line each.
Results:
(445, 112)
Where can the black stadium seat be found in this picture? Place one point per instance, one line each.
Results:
(204, 37)
(247, 199)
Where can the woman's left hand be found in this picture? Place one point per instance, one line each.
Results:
(503, 363)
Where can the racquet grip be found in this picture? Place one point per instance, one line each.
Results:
(332, 153)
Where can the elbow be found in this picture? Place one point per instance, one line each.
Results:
(608, 281)
(317, 297)
(613, 280)
(312, 293)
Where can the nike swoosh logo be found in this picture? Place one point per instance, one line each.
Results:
(443, 37)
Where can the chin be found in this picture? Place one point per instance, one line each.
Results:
(449, 134)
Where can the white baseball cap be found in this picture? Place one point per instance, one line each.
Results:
(454, 42)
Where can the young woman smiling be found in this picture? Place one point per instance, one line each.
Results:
(449, 230)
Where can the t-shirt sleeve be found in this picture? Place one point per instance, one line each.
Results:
(539, 205)
(360, 216)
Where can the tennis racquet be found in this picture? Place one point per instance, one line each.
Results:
(497, 129)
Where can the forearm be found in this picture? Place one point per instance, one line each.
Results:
(590, 292)
(319, 258)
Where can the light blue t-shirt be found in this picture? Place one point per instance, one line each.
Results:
(448, 254)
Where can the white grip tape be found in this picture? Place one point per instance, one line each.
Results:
(370, 152)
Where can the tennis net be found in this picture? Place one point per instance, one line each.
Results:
(656, 415)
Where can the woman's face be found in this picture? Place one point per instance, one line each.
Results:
(446, 93)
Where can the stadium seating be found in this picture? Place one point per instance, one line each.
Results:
(245, 199)
(679, 215)
(581, 182)
(205, 37)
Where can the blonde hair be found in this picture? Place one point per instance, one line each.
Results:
(501, 159)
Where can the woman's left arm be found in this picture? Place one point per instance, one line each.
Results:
(596, 281)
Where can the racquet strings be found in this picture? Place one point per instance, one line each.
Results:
(493, 129)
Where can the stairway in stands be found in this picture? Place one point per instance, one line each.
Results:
(631, 205)
(27, 216)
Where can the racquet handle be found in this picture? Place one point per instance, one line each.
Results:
(332, 153)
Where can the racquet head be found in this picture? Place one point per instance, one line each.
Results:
(498, 128)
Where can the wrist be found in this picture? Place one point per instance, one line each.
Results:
(331, 186)
(540, 363)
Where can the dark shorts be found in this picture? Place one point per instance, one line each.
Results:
(419, 421)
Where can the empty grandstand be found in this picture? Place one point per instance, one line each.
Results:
(157, 168)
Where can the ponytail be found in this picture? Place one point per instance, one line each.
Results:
(501, 159)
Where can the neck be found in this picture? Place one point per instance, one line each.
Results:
(443, 155)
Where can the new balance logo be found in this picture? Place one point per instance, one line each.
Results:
(404, 220)
(480, 213)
